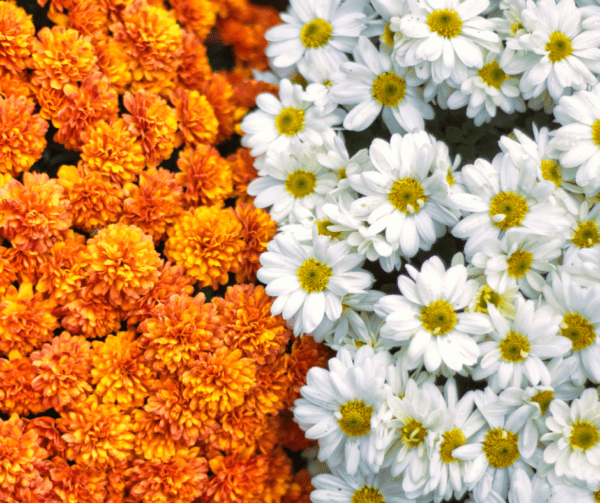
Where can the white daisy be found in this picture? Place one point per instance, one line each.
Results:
(318, 75)
(502, 298)
(583, 233)
(562, 492)
(363, 329)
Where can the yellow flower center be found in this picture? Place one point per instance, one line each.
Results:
(500, 447)
(559, 46)
(438, 317)
(586, 235)
(450, 178)
(388, 89)
(367, 494)
(514, 347)
(543, 399)
(388, 35)
(314, 276)
(316, 33)
(407, 195)
(290, 121)
(597, 496)
(519, 264)
(359, 344)
(341, 173)
(486, 295)
(515, 27)
(584, 435)
(413, 434)
(507, 210)
(552, 171)
(327, 83)
(445, 22)
(356, 418)
(578, 330)
(596, 132)
(301, 183)
(492, 75)
(452, 439)
(324, 231)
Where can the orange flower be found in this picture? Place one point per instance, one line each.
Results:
(95, 200)
(247, 89)
(77, 484)
(61, 57)
(259, 229)
(197, 121)
(26, 320)
(26, 264)
(112, 150)
(16, 393)
(199, 16)
(280, 476)
(114, 63)
(122, 263)
(7, 273)
(289, 433)
(269, 394)
(154, 122)
(50, 101)
(239, 431)
(178, 331)
(151, 442)
(15, 84)
(205, 175)
(90, 315)
(16, 27)
(95, 100)
(220, 95)
(89, 18)
(49, 437)
(195, 67)
(97, 435)
(22, 135)
(219, 381)
(208, 243)
(300, 488)
(243, 172)
(119, 371)
(248, 324)
(154, 203)
(180, 479)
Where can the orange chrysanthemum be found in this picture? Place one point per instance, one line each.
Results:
(259, 229)
(207, 243)
(198, 16)
(300, 489)
(62, 369)
(90, 18)
(289, 433)
(280, 476)
(241, 430)
(243, 172)
(50, 101)
(114, 63)
(247, 89)
(205, 175)
(48, 435)
(119, 371)
(22, 135)
(26, 264)
(77, 484)
(179, 479)
(61, 57)
(248, 324)
(122, 263)
(97, 435)
(219, 381)
(90, 315)
(154, 122)
(93, 101)
(7, 273)
(197, 121)
(154, 203)
(195, 67)
(16, 36)
(151, 442)
(95, 200)
(220, 95)
(26, 320)
(16, 394)
(16, 85)
(272, 388)
(178, 331)
(112, 150)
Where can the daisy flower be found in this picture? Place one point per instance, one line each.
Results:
(325, 28)
(310, 281)
(280, 122)
(362, 330)
(318, 74)
(373, 83)
(428, 317)
(502, 298)
(584, 233)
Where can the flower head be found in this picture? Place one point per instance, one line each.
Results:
(197, 120)
(77, 483)
(243, 172)
(16, 393)
(90, 315)
(198, 16)
(17, 31)
(194, 67)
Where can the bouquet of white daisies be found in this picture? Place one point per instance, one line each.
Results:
(458, 280)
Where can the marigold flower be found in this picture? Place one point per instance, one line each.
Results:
(48, 435)
(179, 479)
(300, 489)
(246, 89)
(151, 442)
(154, 122)
(61, 57)
(289, 433)
(77, 484)
(205, 175)
(26, 264)
(97, 434)
(90, 315)
(122, 263)
(219, 381)
(279, 477)
(195, 67)
(199, 16)
(197, 121)
(220, 95)
(15, 84)
(243, 172)
(16, 27)
(272, 389)
(119, 371)
(90, 18)
(95, 200)
(16, 393)
(178, 331)
(208, 243)
(50, 100)
(154, 203)
(7, 273)
(114, 63)
(248, 324)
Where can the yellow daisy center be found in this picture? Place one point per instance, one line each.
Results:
(512, 206)
(543, 399)
(450, 178)
(327, 83)
(367, 494)
(596, 132)
(597, 496)
(341, 173)
(452, 439)
(407, 195)
(552, 171)
(519, 264)
(584, 435)
(316, 33)
(492, 74)
(514, 348)
(578, 330)
(586, 235)
(388, 89)
(515, 27)
(413, 434)
(356, 418)
(559, 46)
(324, 231)
(438, 317)
(445, 22)
(500, 447)
(290, 121)
(301, 183)
(388, 35)
(314, 276)
(486, 295)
